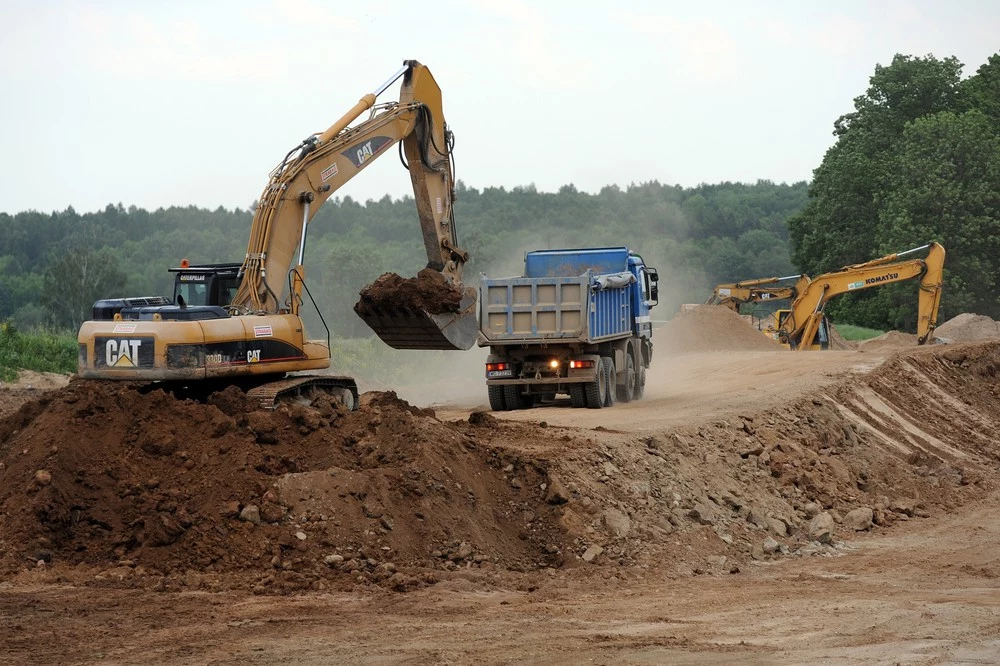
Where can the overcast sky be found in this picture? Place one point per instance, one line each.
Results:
(178, 103)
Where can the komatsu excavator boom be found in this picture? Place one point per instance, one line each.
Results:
(798, 326)
(259, 337)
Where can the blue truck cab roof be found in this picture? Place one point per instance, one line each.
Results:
(570, 263)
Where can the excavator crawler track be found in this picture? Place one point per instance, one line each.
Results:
(267, 396)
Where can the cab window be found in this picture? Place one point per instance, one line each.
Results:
(194, 293)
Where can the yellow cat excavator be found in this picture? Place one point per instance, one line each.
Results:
(805, 322)
(256, 337)
(734, 294)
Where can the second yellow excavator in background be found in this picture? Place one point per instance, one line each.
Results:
(251, 335)
(735, 294)
(804, 325)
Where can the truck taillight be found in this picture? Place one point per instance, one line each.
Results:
(493, 367)
(577, 365)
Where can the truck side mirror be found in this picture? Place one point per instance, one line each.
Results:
(654, 289)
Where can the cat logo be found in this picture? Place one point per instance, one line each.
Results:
(122, 353)
(253, 356)
(363, 152)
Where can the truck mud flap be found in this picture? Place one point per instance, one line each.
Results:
(403, 327)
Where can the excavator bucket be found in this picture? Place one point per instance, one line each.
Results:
(410, 326)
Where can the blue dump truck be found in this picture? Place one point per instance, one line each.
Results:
(576, 323)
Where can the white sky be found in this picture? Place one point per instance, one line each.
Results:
(159, 103)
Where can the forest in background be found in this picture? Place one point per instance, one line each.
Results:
(54, 266)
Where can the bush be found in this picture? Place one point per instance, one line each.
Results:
(40, 351)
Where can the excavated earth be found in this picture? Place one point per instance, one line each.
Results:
(428, 291)
(756, 506)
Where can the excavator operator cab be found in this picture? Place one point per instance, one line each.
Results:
(208, 284)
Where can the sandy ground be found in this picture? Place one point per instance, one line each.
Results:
(917, 595)
(691, 388)
(921, 591)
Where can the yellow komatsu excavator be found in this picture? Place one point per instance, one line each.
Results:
(735, 294)
(804, 323)
(255, 339)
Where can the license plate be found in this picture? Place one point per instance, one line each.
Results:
(494, 374)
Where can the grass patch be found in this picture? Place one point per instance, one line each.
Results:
(41, 351)
(855, 333)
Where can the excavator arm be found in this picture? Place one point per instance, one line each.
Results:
(799, 328)
(734, 294)
(273, 272)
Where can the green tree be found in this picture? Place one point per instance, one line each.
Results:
(75, 280)
(839, 225)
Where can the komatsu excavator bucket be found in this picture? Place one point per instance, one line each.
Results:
(405, 325)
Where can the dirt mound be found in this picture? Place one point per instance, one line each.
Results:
(711, 328)
(968, 327)
(429, 291)
(305, 496)
(837, 341)
(889, 340)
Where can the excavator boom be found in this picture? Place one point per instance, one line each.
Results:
(734, 294)
(323, 163)
(800, 327)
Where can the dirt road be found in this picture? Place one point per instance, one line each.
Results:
(922, 594)
(679, 529)
(694, 388)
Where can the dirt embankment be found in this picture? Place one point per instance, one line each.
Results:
(145, 490)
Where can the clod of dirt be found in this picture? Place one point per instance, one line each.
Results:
(429, 291)
(711, 328)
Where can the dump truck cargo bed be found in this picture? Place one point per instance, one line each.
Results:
(556, 309)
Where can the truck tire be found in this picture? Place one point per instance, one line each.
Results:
(497, 402)
(596, 389)
(515, 398)
(626, 391)
(578, 395)
(640, 382)
(610, 377)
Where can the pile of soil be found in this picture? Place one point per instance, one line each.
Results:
(711, 328)
(889, 340)
(101, 474)
(149, 490)
(968, 327)
(837, 341)
(429, 291)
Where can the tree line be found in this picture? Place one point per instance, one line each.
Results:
(54, 266)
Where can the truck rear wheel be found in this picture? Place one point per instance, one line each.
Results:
(515, 397)
(626, 391)
(610, 377)
(640, 382)
(497, 402)
(597, 389)
(578, 395)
